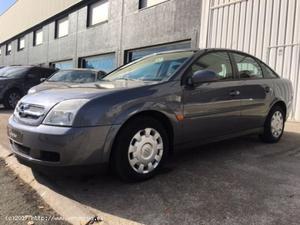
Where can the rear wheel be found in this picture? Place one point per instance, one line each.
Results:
(11, 99)
(274, 125)
(140, 149)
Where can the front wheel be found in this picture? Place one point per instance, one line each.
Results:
(11, 99)
(274, 125)
(140, 149)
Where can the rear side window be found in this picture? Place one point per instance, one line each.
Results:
(217, 62)
(268, 73)
(247, 67)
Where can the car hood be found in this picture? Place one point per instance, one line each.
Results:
(52, 95)
(50, 85)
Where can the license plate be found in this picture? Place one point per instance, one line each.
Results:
(15, 135)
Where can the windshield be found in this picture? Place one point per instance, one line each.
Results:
(12, 72)
(73, 76)
(152, 68)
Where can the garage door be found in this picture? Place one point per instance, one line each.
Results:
(267, 29)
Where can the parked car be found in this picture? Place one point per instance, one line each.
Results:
(140, 113)
(63, 78)
(16, 80)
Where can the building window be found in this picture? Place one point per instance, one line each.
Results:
(38, 37)
(8, 49)
(149, 3)
(62, 65)
(98, 12)
(132, 55)
(62, 27)
(21, 43)
(104, 62)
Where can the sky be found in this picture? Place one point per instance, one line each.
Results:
(5, 4)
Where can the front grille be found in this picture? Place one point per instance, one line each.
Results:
(36, 154)
(29, 111)
(21, 148)
(50, 156)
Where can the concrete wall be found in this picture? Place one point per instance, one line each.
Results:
(27, 13)
(128, 27)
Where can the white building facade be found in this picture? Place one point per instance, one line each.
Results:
(268, 29)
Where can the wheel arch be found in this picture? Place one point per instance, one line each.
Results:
(161, 117)
(282, 104)
(14, 89)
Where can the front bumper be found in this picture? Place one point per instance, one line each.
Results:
(58, 146)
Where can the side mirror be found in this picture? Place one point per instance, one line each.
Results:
(204, 76)
(43, 79)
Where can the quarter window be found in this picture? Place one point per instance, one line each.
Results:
(268, 73)
(217, 62)
(98, 12)
(62, 27)
(38, 37)
(247, 67)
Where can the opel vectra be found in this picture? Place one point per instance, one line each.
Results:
(138, 114)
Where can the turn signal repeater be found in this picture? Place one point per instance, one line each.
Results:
(180, 117)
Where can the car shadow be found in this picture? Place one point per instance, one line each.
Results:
(229, 182)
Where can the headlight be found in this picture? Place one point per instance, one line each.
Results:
(63, 114)
(31, 91)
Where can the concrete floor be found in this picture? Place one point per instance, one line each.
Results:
(239, 181)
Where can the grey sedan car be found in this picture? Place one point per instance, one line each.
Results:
(141, 112)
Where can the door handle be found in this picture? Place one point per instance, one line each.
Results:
(234, 93)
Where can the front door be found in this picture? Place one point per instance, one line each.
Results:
(212, 109)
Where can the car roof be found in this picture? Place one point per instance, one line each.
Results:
(200, 49)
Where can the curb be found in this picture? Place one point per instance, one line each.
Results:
(72, 211)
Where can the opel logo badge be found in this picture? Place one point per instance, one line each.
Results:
(24, 107)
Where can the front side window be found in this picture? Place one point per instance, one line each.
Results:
(62, 27)
(21, 43)
(153, 68)
(217, 62)
(73, 76)
(98, 12)
(247, 67)
(149, 3)
(38, 37)
(8, 49)
(0, 50)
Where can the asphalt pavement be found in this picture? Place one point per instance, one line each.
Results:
(233, 182)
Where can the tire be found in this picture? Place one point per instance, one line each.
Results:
(140, 149)
(274, 125)
(11, 99)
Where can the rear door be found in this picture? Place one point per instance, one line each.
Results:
(211, 109)
(255, 91)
